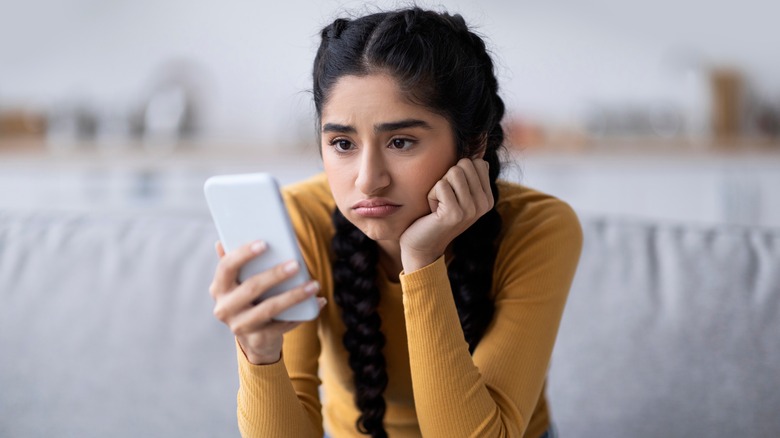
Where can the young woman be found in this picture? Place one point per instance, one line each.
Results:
(446, 284)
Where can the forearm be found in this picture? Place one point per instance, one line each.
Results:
(451, 395)
(268, 404)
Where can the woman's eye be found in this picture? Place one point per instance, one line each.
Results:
(341, 145)
(401, 143)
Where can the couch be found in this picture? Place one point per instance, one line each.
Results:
(671, 330)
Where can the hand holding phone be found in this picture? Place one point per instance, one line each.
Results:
(247, 208)
(260, 286)
(256, 330)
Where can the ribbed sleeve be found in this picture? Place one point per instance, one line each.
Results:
(268, 405)
(494, 392)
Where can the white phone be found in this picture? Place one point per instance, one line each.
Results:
(248, 207)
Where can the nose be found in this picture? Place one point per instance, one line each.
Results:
(373, 175)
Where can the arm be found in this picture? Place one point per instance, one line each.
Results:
(493, 393)
(282, 398)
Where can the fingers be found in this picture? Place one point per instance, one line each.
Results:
(262, 315)
(433, 201)
(456, 177)
(245, 295)
(477, 172)
(281, 327)
(220, 249)
(469, 168)
(445, 196)
(267, 335)
(226, 275)
(483, 170)
(471, 185)
(275, 327)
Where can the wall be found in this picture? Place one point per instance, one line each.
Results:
(554, 59)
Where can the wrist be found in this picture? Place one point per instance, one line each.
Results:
(412, 261)
(264, 359)
(261, 358)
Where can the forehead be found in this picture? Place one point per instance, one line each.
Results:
(375, 96)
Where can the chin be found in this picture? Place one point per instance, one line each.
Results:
(380, 234)
(378, 231)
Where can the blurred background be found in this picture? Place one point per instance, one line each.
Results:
(667, 109)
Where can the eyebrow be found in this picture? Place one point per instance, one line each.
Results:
(382, 127)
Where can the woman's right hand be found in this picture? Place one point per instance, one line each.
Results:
(259, 336)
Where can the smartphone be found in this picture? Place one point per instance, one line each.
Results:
(248, 207)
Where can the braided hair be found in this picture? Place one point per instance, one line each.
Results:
(442, 65)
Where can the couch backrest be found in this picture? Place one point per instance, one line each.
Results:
(670, 331)
(106, 330)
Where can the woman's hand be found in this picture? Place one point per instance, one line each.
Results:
(257, 333)
(457, 200)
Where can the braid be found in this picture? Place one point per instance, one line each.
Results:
(356, 293)
(445, 67)
(474, 251)
(471, 273)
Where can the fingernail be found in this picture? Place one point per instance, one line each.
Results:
(258, 246)
(291, 266)
(322, 301)
(312, 288)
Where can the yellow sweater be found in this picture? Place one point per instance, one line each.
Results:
(436, 388)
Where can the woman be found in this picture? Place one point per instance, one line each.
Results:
(448, 284)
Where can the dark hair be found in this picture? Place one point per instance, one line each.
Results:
(442, 65)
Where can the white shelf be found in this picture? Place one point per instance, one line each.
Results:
(694, 186)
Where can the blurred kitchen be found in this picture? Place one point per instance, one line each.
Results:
(667, 109)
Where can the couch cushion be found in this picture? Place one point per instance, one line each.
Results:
(106, 328)
(670, 331)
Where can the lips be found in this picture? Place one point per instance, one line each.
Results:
(375, 207)
(375, 202)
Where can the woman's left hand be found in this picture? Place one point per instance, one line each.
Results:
(457, 200)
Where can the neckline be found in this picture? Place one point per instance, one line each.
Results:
(385, 279)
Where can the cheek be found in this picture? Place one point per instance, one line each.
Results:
(426, 173)
(418, 180)
(338, 179)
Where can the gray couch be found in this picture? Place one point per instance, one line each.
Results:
(106, 330)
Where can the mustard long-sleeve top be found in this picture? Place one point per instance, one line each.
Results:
(436, 387)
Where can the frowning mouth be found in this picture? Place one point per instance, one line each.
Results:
(375, 207)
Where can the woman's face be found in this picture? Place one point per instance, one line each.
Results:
(382, 154)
